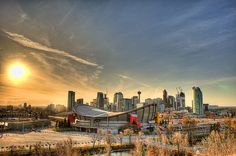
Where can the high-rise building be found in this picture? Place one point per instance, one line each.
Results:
(165, 97)
(25, 105)
(148, 101)
(80, 101)
(100, 100)
(197, 102)
(206, 107)
(60, 108)
(180, 101)
(135, 101)
(157, 100)
(71, 100)
(171, 101)
(107, 105)
(93, 103)
(117, 100)
(126, 104)
(51, 107)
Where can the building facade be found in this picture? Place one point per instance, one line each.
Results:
(71, 100)
(165, 97)
(197, 103)
(80, 101)
(100, 100)
(135, 101)
(171, 101)
(180, 101)
(126, 104)
(117, 100)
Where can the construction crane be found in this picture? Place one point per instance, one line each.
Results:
(179, 90)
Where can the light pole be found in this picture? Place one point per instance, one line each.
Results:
(107, 122)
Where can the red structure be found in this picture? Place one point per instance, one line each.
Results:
(133, 119)
(71, 117)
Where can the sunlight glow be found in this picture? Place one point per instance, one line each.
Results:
(18, 72)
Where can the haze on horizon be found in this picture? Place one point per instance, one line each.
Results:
(110, 46)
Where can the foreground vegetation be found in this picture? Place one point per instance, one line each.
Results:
(217, 143)
(168, 144)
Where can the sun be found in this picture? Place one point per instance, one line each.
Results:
(18, 72)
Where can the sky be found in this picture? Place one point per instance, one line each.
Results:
(112, 46)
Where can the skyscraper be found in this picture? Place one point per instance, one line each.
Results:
(106, 103)
(80, 101)
(165, 97)
(135, 101)
(197, 102)
(71, 100)
(117, 100)
(171, 101)
(126, 104)
(100, 100)
(180, 101)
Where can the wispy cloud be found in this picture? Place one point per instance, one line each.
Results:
(134, 80)
(34, 45)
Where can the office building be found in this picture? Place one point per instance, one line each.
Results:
(71, 100)
(100, 100)
(60, 108)
(80, 101)
(180, 101)
(93, 103)
(107, 105)
(25, 105)
(197, 103)
(126, 104)
(171, 101)
(148, 101)
(206, 107)
(117, 100)
(135, 101)
(165, 97)
(51, 107)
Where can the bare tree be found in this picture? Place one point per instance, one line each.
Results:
(139, 145)
(120, 136)
(128, 132)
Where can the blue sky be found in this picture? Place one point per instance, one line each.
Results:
(91, 46)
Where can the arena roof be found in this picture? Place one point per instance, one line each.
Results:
(92, 112)
(89, 111)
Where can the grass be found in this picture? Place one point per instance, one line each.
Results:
(217, 144)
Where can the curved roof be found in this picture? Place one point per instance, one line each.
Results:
(92, 112)
(89, 111)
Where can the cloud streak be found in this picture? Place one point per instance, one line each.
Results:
(134, 80)
(22, 40)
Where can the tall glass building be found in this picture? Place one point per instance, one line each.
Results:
(71, 100)
(197, 103)
(100, 100)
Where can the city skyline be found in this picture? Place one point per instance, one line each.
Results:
(91, 47)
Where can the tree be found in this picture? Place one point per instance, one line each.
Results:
(120, 136)
(96, 137)
(128, 132)
(219, 144)
(179, 140)
(139, 145)
(190, 126)
(109, 140)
